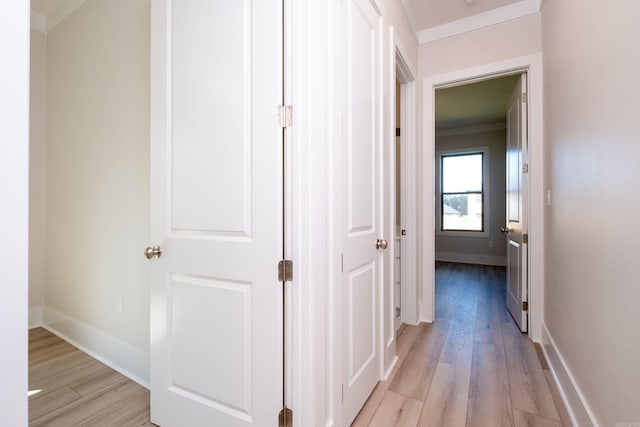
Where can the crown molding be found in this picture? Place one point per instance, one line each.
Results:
(492, 17)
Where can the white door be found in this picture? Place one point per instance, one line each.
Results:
(516, 215)
(216, 199)
(362, 262)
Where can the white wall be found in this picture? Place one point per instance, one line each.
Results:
(14, 193)
(592, 134)
(98, 180)
(478, 249)
(37, 176)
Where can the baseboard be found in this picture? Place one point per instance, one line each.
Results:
(117, 354)
(390, 368)
(573, 398)
(35, 316)
(499, 261)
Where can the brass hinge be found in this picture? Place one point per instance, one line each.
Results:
(525, 238)
(525, 306)
(285, 115)
(285, 418)
(525, 168)
(285, 270)
(525, 98)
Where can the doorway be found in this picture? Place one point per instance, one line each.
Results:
(532, 64)
(475, 136)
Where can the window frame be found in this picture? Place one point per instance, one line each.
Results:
(484, 150)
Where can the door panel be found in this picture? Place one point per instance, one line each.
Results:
(516, 195)
(216, 198)
(363, 202)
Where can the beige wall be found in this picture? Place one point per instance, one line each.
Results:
(592, 135)
(491, 44)
(98, 169)
(37, 175)
(478, 249)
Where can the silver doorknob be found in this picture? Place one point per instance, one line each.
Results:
(153, 252)
(505, 229)
(381, 244)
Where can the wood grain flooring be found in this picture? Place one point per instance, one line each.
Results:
(471, 367)
(70, 388)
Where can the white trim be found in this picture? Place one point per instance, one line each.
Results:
(510, 12)
(480, 259)
(486, 193)
(35, 316)
(577, 406)
(408, 116)
(130, 361)
(533, 65)
(392, 365)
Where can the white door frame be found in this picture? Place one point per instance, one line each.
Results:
(405, 73)
(532, 64)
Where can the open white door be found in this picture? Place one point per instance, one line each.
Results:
(216, 203)
(362, 262)
(516, 230)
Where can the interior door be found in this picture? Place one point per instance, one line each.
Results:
(515, 229)
(216, 199)
(362, 260)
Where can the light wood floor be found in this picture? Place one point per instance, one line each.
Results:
(471, 367)
(69, 388)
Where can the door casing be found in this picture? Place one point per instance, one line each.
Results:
(532, 64)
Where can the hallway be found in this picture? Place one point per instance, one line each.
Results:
(471, 367)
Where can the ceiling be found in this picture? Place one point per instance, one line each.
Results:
(426, 14)
(473, 104)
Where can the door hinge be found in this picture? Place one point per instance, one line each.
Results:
(285, 115)
(525, 168)
(403, 232)
(525, 238)
(342, 263)
(525, 306)
(285, 418)
(342, 393)
(285, 270)
(525, 98)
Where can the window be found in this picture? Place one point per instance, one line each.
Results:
(462, 196)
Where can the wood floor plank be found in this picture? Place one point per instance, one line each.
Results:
(525, 419)
(85, 407)
(373, 402)
(527, 384)
(76, 389)
(397, 410)
(405, 340)
(489, 398)
(458, 346)
(414, 378)
(555, 394)
(446, 403)
(45, 401)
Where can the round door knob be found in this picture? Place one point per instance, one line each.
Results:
(505, 229)
(153, 252)
(381, 244)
